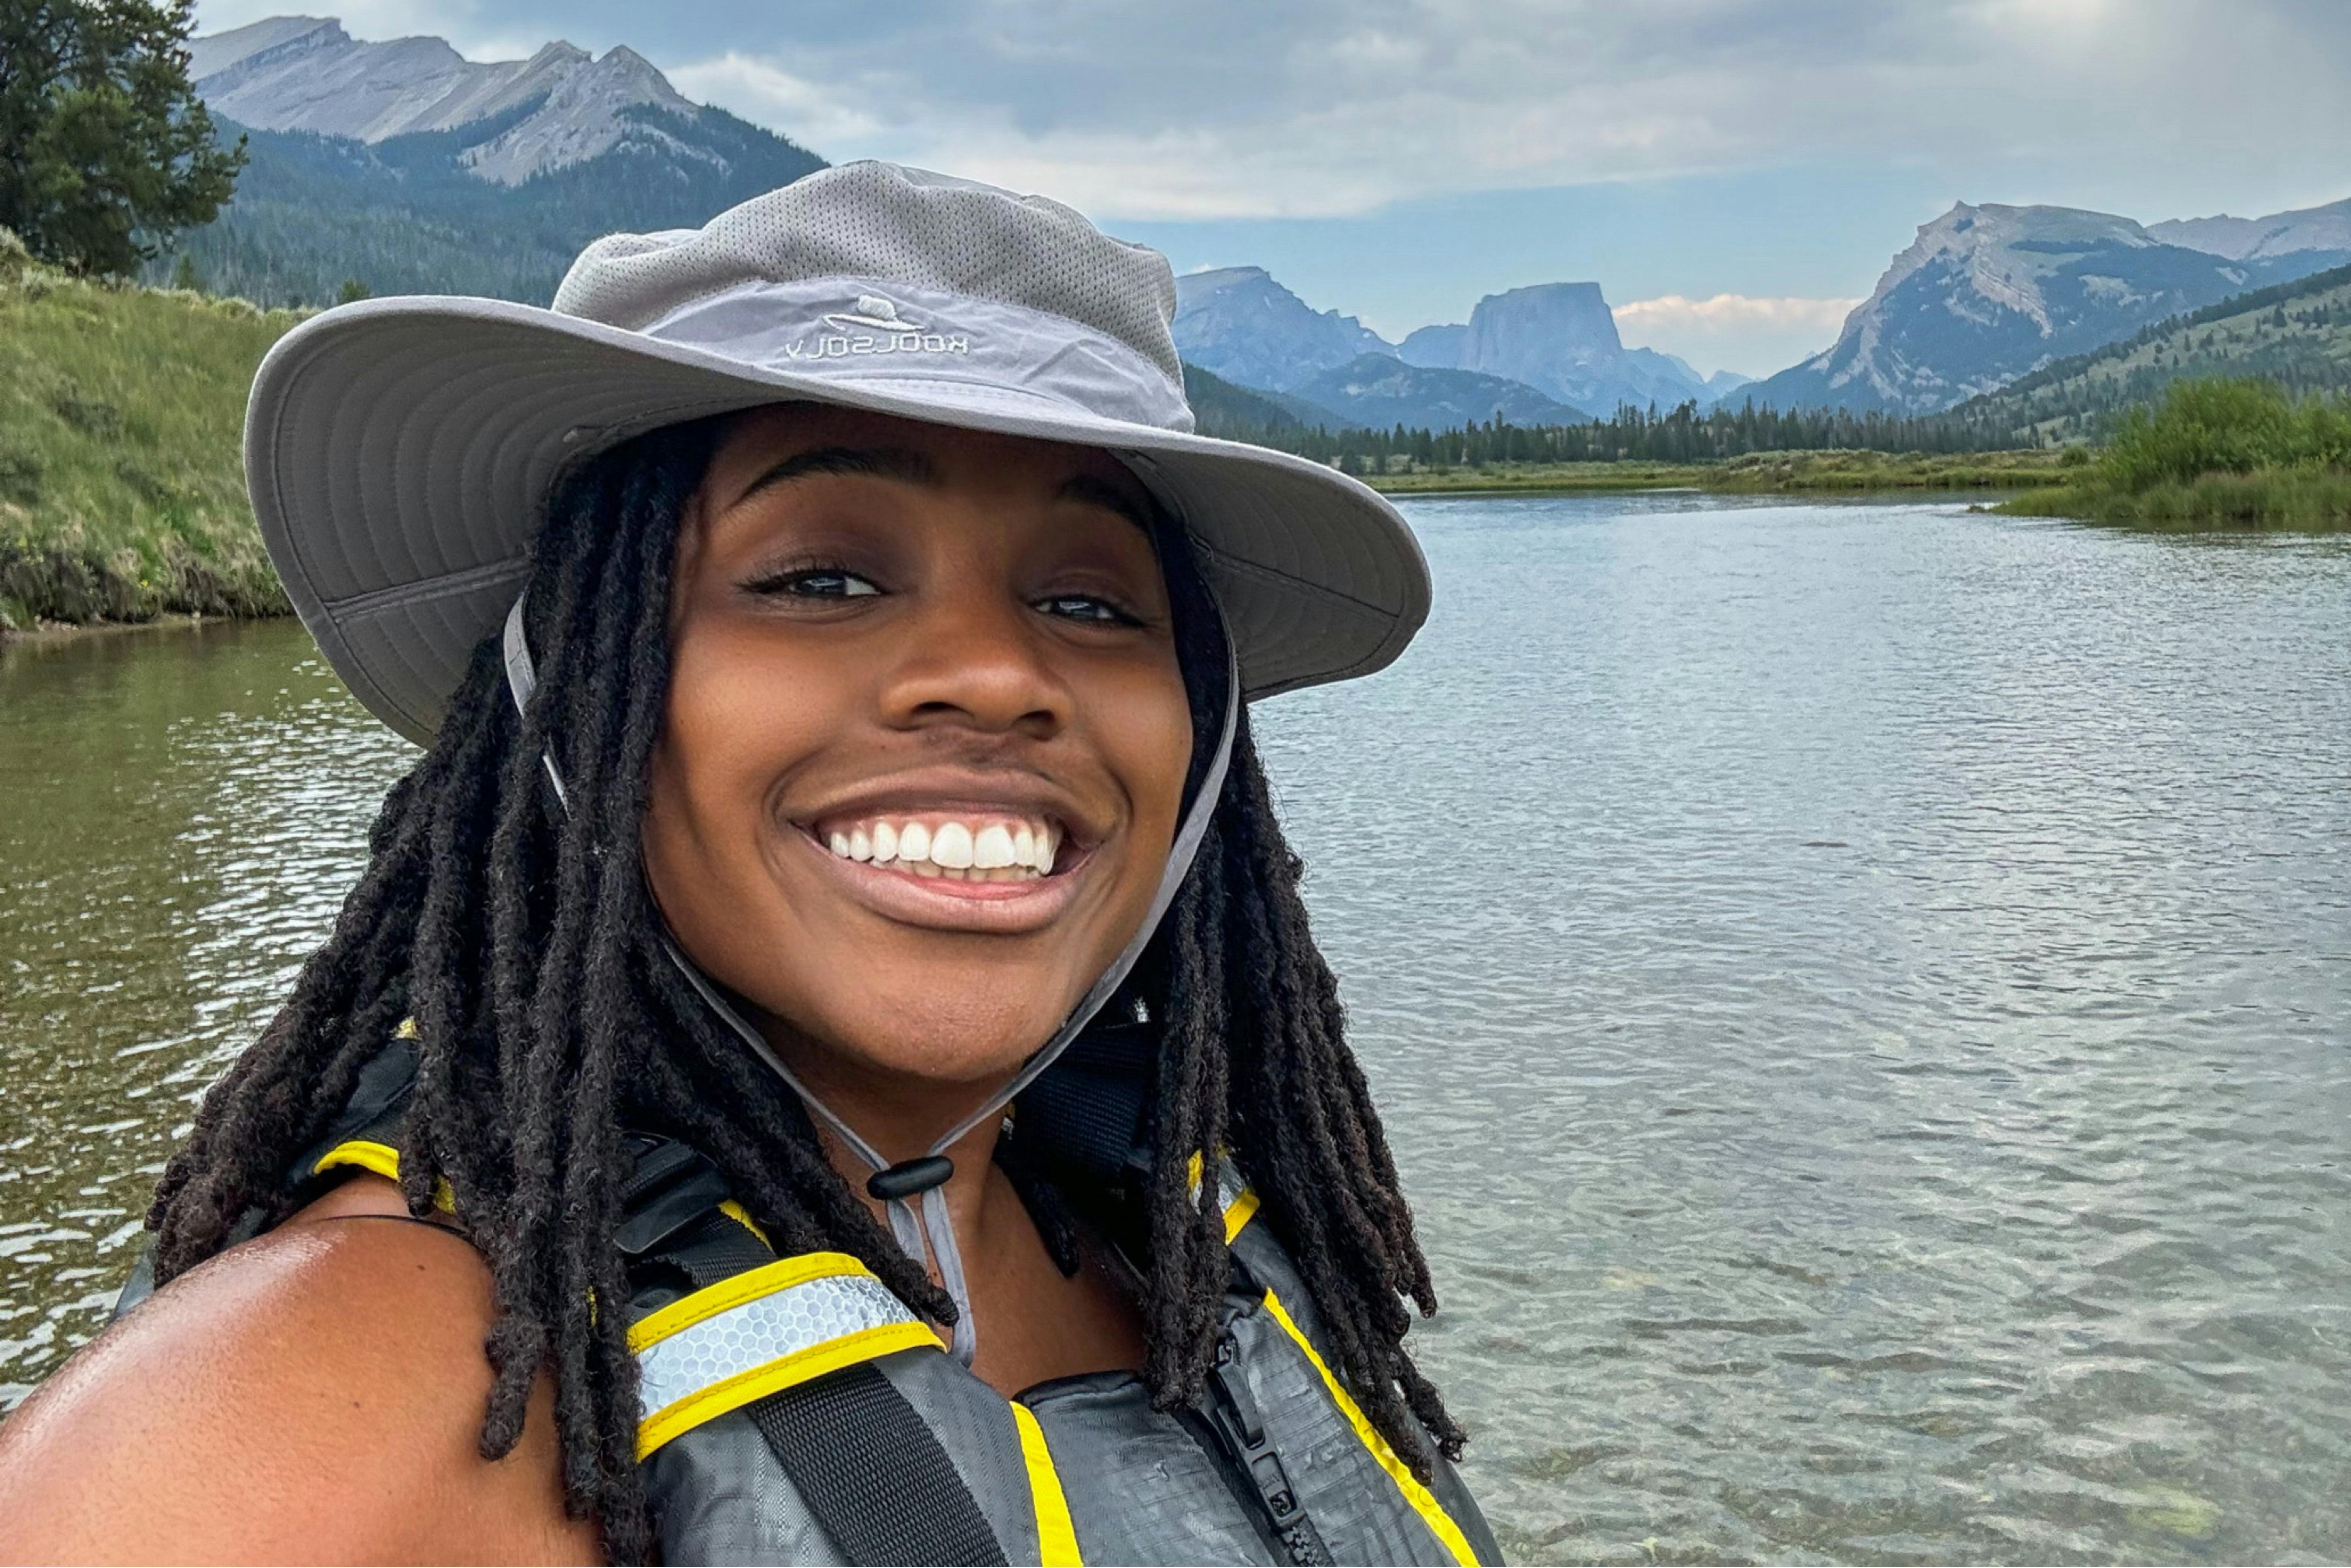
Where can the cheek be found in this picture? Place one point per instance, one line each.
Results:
(725, 742)
(1148, 739)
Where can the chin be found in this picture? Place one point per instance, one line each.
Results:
(947, 1043)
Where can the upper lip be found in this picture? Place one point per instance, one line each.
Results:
(960, 791)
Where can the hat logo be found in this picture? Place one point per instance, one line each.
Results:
(874, 310)
(874, 326)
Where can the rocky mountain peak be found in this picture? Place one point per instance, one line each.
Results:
(1240, 324)
(1988, 293)
(306, 73)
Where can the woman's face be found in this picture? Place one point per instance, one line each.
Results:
(925, 740)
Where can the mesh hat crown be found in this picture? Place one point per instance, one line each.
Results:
(400, 450)
(893, 224)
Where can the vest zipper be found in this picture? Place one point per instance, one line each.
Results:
(1240, 1428)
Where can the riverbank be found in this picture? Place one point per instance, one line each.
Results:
(2215, 454)
(1794, 473)
(122, 490)
(2306, 503)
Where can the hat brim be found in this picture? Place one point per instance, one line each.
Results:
(398, 453)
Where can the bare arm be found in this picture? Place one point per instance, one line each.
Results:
(313, 1396)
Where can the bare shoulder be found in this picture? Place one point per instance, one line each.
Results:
(312, 1395)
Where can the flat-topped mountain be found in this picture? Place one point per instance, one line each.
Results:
(1537, 355)
(1988, 292)
(1561, 338)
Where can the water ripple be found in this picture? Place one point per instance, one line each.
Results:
(1860, 996)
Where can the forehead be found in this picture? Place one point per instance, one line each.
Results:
(756, 441)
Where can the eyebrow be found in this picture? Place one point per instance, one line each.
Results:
(899, 462)
(910, 466)
(1096, 491)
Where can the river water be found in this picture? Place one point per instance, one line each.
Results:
(1861, 994)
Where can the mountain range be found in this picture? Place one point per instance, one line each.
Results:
(561, 105)
(1540, 355)
(1986, 293)
(402, 166)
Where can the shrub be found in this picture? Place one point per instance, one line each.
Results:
(2223, 426)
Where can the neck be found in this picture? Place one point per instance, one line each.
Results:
(901, 1116)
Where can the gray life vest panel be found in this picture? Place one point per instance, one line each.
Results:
(795, 1411)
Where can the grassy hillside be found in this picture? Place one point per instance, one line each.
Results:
(2296, 336)
(121, 495)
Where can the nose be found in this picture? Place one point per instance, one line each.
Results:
(973, 658)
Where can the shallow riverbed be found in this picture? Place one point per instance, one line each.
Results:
(1862, 995)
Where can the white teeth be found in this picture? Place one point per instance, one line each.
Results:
(993, 848)
(997, 852)
(951, 846)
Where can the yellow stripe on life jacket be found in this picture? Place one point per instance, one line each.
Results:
(1240, 1199)
(756, 1333)
(1419, 1497)
(378, 1159)
(1057, 1536)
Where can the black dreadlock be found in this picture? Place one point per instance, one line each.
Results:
(522, 940)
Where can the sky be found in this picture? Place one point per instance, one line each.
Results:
(1734, 173)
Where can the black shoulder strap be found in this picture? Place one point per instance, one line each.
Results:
(873, 1473)
(867, 1465)
(861, 1457)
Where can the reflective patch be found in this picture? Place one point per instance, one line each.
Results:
(749, 1336)
(1233, 1195)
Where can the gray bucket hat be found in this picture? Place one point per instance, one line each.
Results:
(400, 450)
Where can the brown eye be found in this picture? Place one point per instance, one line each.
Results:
(821, 582)
(1086, 607)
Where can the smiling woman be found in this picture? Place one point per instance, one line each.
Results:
(827, 1062)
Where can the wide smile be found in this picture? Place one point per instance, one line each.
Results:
(953, 868)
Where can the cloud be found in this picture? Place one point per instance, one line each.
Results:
(1320, 108)
(1235, 109)
(1742, 331)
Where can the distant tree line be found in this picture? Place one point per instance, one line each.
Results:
(1682, 434)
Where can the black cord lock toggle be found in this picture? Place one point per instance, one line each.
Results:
(909, 1178)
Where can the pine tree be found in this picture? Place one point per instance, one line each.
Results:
(105, 152)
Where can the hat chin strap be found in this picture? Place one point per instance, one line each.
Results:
(897, 1186)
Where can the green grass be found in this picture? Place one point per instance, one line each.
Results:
(1762, 473)
(2284, 501)
(121, 494)
(1537, 477)
(2216, 454)
(1866, 471)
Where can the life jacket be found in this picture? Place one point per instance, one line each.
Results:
(795, 1411)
